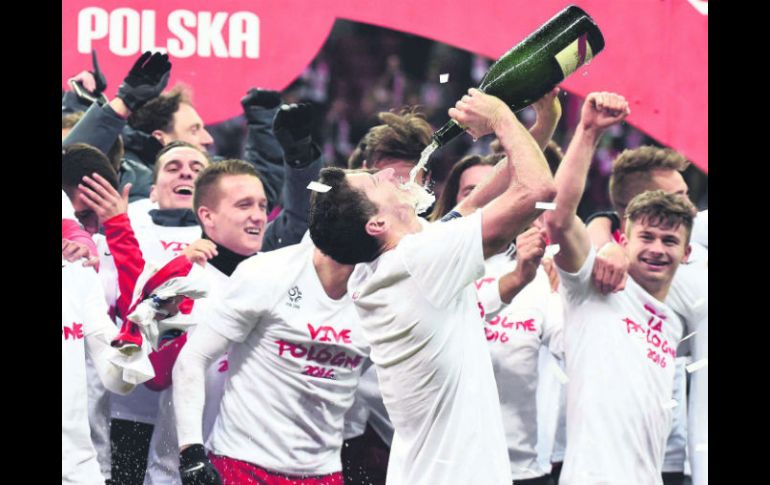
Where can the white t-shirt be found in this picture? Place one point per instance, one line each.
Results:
(620, 351)
(688, 296)
(163, 460)
(419, 311)
(295, 369)
(369, 408)
(98, 396)
(676, 444)
(560, 436)
(551, 418)
(161, 244)
(515, 335)
(83, 311)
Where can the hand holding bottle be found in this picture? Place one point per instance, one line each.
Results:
(479, 113)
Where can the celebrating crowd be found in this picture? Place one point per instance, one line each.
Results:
(278, 319)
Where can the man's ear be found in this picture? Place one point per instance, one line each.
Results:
(204, 216)
(623, 240)
(687, 252)
(376, 226)
(153, 194)
(160, 136)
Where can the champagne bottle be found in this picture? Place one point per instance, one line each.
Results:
(537, 64)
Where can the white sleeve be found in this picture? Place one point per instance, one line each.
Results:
(445, 258)
(575, 287)
(118, 372)
(249, 293)
(488, 293)
(553, 325)
(189, 381)
(67, 212)
(700, 229)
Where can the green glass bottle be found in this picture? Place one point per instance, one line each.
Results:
(537, 64)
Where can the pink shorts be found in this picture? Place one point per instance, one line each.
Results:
(237, 472)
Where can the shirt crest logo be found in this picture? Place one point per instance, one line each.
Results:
(295, 295)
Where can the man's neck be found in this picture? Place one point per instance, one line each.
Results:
(333, 275)
(657, 289)
(226, 260)
(395, 235)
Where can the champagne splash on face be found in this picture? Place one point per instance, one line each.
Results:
(423, 198)
(424, 157)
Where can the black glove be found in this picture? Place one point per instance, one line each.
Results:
(258, 99)
(196, 469)
(291, 127)
(146, 80)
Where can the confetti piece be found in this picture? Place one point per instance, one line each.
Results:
(318, 187)
(549, 206)
(560, 375)
(702, 447)
(443, 78)
(701, 6)
(551, 250)
(698, 364)
(671, 404)
(688, 336)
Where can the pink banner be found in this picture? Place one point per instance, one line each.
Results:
(656, 51)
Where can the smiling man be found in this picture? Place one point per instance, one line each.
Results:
(620, 347)
(293, 339)
(231, 206)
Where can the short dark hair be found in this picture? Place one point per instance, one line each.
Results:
(641, 161)
(403, 136)
(158, 114)
(79, 160)
(338, 220)
(356, 158)
(446, 200)
(167, 148)
(207, 181)
(657, 208)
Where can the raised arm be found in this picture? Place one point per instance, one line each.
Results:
(526, 171)
(548, 111)
(600, 111)
(302, 163)
(101, 125)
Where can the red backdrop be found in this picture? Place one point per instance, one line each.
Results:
(656, 51)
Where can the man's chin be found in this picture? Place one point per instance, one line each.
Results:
(419, 198)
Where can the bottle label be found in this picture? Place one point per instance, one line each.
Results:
(574, 55)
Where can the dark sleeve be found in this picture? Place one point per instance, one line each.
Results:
(139, 176)
(99, 128)
(71, 103)
(291, 224)
(611, 215)
(262, 150)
